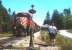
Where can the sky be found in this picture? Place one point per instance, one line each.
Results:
(41, 7)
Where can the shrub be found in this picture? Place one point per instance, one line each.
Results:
(62, 41)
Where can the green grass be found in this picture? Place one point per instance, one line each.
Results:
(62, 41)
(5, 34)
(70, 30)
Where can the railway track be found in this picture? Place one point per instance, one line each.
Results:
(14, 40)
(9, 41)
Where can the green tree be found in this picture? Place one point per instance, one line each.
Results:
(55, 17)
(47, 19)
(60, 21)
(67, 12)
(4, 19)
(69, 22)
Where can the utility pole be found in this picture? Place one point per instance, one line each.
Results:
(31, 47)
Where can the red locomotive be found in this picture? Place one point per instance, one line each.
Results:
(23, 24)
